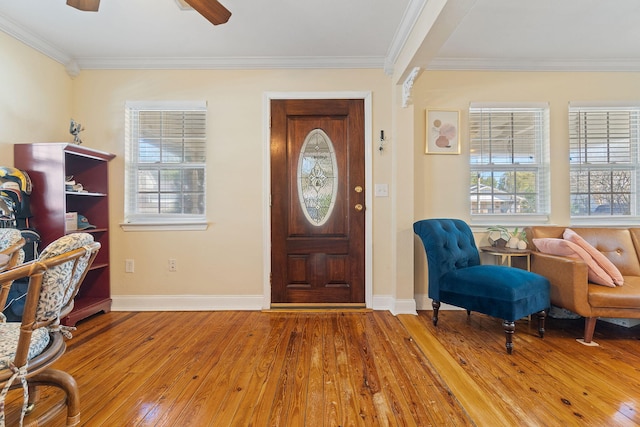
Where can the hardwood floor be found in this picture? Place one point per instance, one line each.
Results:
(346, 369)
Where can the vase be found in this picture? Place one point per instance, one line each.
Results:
(513, 243)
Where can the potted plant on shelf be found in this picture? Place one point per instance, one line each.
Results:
(516, 239)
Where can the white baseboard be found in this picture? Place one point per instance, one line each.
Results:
(186, 302)
(230, 302)
(423, 302)
(395, 306)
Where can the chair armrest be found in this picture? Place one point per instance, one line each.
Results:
(569, 281)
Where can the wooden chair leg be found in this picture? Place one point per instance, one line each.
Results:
(509, 329)
(66, 383)
(542, 315)
(589, 328)
(436, 306)
(33, 398)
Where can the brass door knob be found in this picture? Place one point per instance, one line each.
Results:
(358, 189)
(359, 207)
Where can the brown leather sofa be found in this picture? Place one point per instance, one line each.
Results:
(570, 287)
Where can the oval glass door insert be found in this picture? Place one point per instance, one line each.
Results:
(317, 177)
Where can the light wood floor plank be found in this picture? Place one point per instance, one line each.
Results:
(353, 368)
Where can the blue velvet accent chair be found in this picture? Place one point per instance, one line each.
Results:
(456, 277)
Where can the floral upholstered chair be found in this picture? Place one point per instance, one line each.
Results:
(27, 349)
(11, 244)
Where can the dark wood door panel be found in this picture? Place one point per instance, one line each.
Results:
(317, 258)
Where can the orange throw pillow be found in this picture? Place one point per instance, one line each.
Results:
(566, 248)
(597, 256)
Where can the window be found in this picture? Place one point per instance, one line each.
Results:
(509, 161)
(165, 162)
(603, 144)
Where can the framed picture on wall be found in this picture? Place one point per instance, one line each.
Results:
(443, 132)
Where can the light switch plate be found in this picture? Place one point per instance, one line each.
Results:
(382, 190)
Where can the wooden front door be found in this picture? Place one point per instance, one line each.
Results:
(317, 202)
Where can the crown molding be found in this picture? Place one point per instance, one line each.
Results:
(74, 65)
(528, 64)
(33, 41)
(231, 63)
(409, 19)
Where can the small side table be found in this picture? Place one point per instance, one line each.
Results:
(507, 255)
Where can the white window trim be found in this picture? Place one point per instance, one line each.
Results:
(518, 219)
(183, 223)
(608, 220)
(163, 226)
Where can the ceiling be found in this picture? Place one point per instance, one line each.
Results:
(482, 34)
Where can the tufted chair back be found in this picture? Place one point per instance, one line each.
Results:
(449, 245)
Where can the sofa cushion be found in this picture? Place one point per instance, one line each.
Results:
(620, 297)
(9, 335)
(597, 256)
(569, 249)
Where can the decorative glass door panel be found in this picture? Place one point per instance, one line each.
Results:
(317, 177)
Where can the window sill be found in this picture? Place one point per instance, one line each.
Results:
(165, 226)
(606, 221)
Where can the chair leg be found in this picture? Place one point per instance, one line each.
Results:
(509, 329)
(542, 315)
(68, 384)
(589, 328)
(33, 398)
(436, 306)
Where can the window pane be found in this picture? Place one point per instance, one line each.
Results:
(603, 159)
(165, 159)
(508, 160)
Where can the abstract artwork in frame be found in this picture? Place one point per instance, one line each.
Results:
(443, 132)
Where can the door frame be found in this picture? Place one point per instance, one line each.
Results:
(266, 189)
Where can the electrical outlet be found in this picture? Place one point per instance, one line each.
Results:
(173, 265)
(128, 266)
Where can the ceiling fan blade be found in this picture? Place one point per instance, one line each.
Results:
(85, 5)
(212, 10)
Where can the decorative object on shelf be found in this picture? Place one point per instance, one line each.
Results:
(443, 132)
(83, 223)
(70, 221)
(74, 129)
(516, 239)
(70, 184)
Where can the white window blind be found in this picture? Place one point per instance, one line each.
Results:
(509, 161)
(603, 144)
(165, 162)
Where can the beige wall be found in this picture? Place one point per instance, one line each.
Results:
(38, 99)
(442, 181)
(35, 99)
(226, 259)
